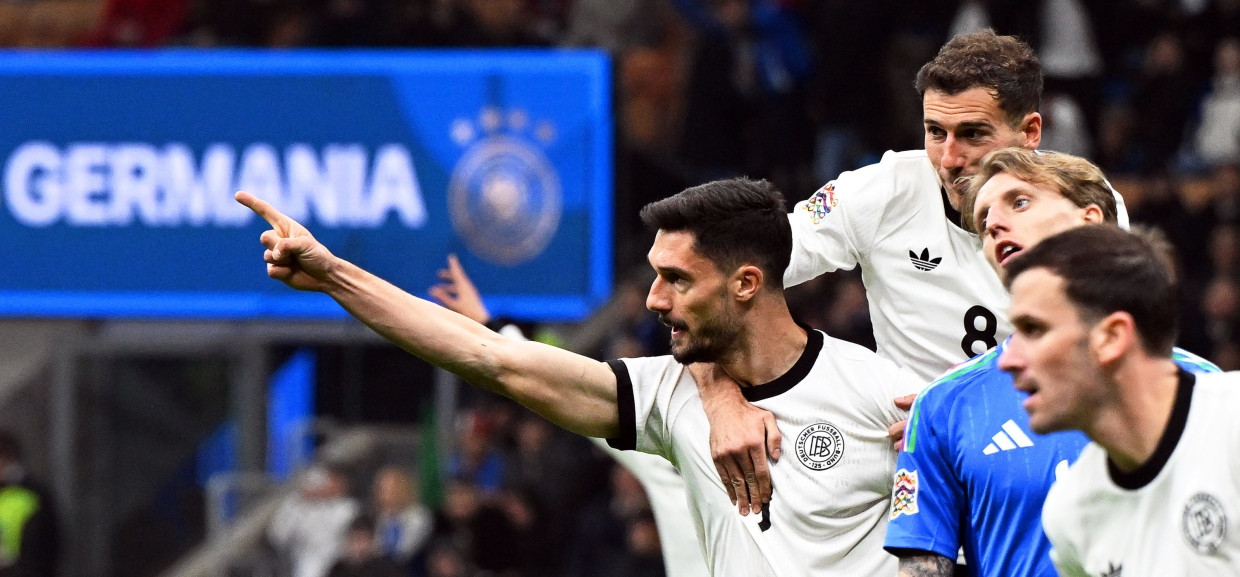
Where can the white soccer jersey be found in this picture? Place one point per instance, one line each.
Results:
(934, 300)
(1177, 515)
(832, 486)
(682, 556)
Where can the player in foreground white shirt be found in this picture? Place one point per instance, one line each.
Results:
(718, 256)
(1157, 492)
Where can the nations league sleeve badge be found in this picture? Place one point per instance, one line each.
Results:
(504, 195)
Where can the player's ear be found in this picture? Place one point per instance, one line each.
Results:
(1093, 214)
(746, 282)
(1031, 129)
(1112, 337)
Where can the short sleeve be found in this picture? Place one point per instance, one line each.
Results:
(834, 228)
(1063, 556)
(626, 405)
(643, 388)
(928, 500)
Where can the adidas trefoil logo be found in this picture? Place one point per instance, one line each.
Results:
(1009, 438)
(923, 261)
(1113, 571)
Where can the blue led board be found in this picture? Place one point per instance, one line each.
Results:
(119, 170)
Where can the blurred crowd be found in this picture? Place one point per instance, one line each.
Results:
(521, 498)
(795, 91)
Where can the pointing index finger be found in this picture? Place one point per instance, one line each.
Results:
(262, 208)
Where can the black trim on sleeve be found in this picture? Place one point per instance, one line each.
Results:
(625, 403)
(1143, 475)
(798, 372)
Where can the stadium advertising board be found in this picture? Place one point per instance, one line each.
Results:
(119, 171)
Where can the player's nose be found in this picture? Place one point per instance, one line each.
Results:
(953, 154)
(1010, 359)
(995, 223)
(656, 299)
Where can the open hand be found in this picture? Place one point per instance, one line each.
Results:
(457, 293)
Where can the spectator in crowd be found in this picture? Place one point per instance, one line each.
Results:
(1162, 102)
(600, 536)
(1217, 138)
(479, 529)
(402, 523)
(361, 556)
(447, 560)
(477, 458)
(139, 23)
(308, 530)
(29, 531)
(643, 556)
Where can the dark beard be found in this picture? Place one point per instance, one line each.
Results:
(711, 344)
(696, 354)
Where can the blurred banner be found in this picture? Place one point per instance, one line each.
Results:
(119, 170)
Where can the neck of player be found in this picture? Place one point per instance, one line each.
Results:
(1132, 426)
(770, 344)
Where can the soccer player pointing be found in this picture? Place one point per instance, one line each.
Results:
(718, 255)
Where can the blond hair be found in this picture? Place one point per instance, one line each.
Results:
(1077, 179)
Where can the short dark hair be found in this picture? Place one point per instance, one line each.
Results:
(734, 222)
(1107, 269)
(1003, 65)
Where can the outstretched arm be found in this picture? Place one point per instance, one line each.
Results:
(573, 391)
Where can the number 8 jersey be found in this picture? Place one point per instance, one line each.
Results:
(934, 300)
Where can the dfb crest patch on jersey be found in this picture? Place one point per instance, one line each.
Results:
(820, 204)
(820, 446)
(904, 493)
(1204, 523)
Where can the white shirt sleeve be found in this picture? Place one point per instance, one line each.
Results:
(835, 227)
(1062, 554)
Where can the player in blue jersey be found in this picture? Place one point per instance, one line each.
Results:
(972, 475)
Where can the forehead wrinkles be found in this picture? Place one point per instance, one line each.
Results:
(974, 106)
(975, 112)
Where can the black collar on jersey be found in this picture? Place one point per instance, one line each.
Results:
(626, 402)
(1143, 475)
(798, 372)
(953, 215)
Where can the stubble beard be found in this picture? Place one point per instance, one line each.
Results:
(708, 344)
